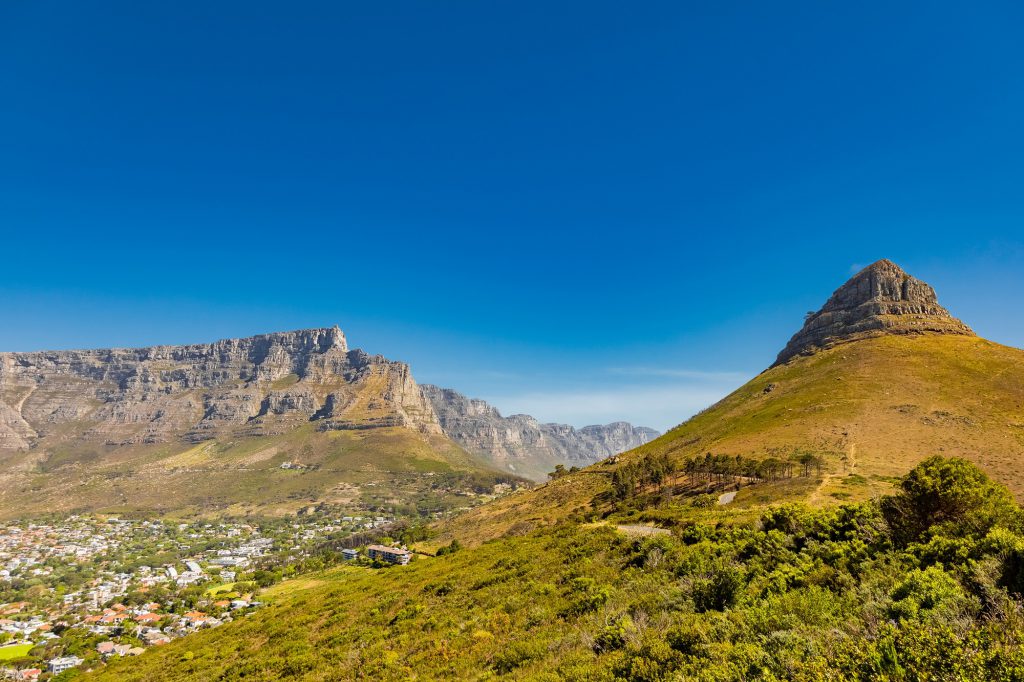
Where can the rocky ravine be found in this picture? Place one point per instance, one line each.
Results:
(520, 443)
(262, 385)
(880, 299)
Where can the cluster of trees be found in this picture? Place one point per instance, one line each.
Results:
(561, 471)
(650, 470)
(737, 467)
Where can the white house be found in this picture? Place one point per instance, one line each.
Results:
(59, 665)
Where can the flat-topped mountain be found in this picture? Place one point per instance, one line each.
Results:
(880, 299)
(272, 422)
(261, 385)
(208, 426)
(520, 443)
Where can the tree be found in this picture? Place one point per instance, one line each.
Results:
(951, 496)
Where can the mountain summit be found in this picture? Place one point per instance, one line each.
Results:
(880, 299)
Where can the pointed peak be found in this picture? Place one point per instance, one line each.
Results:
(880, 299)
(883, 266)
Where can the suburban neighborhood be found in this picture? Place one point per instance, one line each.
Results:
(78, 592)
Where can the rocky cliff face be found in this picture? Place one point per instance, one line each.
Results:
(880, 299)
(260, 385)
(520, 443)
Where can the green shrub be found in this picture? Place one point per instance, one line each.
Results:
(928, 590)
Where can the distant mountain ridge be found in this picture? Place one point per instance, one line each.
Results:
(522, 444)
(208, 425)
(260, 385)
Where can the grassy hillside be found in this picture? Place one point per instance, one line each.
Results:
(874, 408)
(871, 409)
(924, 586)
(391, 466)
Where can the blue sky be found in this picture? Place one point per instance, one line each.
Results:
(578, 210)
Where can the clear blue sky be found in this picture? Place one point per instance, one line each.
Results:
(584, 210)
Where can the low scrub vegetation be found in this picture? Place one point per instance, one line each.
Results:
(923, 584)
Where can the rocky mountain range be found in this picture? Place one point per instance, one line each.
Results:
(208, 425)
(520, 443)
(257, 386)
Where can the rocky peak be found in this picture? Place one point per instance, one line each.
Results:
(880, 299)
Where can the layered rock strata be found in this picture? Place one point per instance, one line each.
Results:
(261, 385)
(880, 299)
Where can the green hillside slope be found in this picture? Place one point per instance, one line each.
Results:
(352, 468)
(870, 409)
(924, 586)
(874, 408)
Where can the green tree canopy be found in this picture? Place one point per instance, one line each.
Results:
(947, 496)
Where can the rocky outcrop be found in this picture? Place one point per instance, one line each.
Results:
(520, 443)
(880, 299)
(261, 385)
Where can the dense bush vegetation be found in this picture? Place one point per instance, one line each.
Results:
(922, 585)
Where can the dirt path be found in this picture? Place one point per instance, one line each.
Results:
(642, 530)
(726, 498)
(851, 466)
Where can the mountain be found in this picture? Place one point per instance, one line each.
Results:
(880, 299)
(878, 379)
(262, 385)
(648, 567)
(521, 444)
(208, 426)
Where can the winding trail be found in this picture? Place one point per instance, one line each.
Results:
(851, 466)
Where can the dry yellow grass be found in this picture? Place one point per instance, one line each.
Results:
(875, 407)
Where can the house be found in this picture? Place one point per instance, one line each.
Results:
(148, 619)
(155, 638)
(105, 648)
(14, 607)
(197, 618)
(28, 675)
(392, 555)
(62, 663)
(349, 554)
